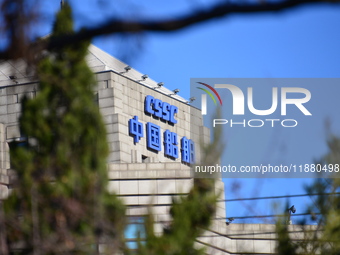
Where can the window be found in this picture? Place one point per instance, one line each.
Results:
(135, 230)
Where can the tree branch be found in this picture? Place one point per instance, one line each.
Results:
(123, 26)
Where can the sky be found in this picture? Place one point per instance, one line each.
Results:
(298, 43)
(272, 146)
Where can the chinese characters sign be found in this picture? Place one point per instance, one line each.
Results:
(165, 112)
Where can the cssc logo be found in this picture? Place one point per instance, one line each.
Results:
(239, 99)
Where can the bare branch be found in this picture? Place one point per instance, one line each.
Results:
(124, 26)
(219, 10)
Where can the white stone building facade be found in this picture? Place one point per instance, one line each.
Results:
(140, 175)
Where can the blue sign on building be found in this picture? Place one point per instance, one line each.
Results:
(188, 150)
(170, 144)
(162, 110)
(165, 112)
(153, 136)
(136, 129)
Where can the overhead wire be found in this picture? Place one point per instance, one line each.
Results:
(277, 197)
(242, 199)
(226, 200)
(235, 199)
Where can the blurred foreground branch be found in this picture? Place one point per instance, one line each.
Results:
(116, 26)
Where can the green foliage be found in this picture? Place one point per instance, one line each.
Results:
(324, 238)
(327, 241)
(285, 245)
(61, 204)
(190, 216)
